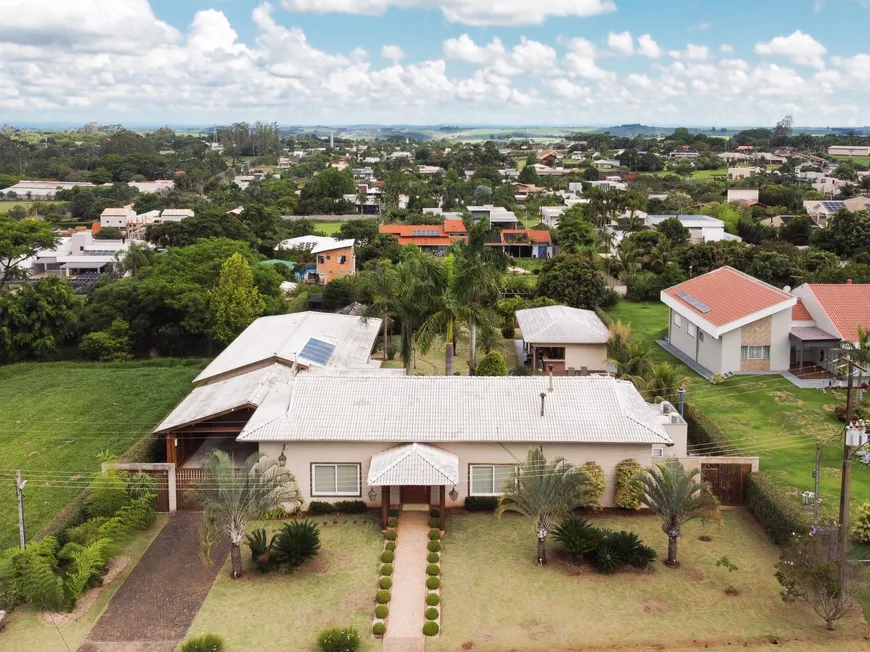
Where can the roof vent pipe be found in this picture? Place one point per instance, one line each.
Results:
(848, 281)
(543, 396)
(550, 387)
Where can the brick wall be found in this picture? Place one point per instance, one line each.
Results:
(755, 334)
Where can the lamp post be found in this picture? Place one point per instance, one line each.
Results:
(19, 492)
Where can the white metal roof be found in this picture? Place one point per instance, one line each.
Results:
(432, 409)
(281, 338)
(245, 390)
(336, 244)
(561, 325)
(306, 241)
(414, 464)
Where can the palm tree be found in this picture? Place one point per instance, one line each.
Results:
(231, 497)
(445, 321)
(617, 341)
(672, 493)
(626, 257)
(545, 492)
(859, 353)
(382, 285)
(662, 382)
(636, 362)
(660, 255)
(137, 256)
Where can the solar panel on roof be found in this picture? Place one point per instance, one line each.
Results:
(833, 206)
(317, 351)
(700, 306)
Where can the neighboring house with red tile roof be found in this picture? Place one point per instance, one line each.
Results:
(728, 322)
(837, 309)
(524, 243)
(435, 238)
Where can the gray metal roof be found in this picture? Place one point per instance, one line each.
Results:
(281, 339)
(414, 464)
(811, 333)
(245, 390)
(406, 409)
(561, 325)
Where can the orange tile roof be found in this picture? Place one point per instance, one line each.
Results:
(799, 312)
(730, 294)
(537, 236)
(454, 226)
(846, 305)
(444, 240)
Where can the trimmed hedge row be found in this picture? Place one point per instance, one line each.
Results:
(317, 507)
(775, 510)
(703, 432)
(481, 503)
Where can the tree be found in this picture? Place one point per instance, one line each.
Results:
(782, 131)
(109, 233)
(529, 174)
(544, 492)
(20, 241)
(445, 320)
(137, 256)
(36, 318)
(674, 495)
(674, 231)
(363, 231)
(324, 192)
(573, 281)
(231, 498)
(846, 233)
(574, 233)
(859, 353)
(492, 364)
(235, 302)
(381, 284)
(797, 231)
(663, 382)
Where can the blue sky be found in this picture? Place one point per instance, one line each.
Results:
(716, 62)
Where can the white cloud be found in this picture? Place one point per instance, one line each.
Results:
(639, 80)
(580, 61)
(469, 12)
(648, 47)
(691, 53)
(726, 49)
(700, 27)
(393, 52)
(798, 47)
(622, 42)
(568, 89)
(465, 49)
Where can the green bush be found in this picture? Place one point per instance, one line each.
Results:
(108, 495)
(605, 558)
(643, 557)
(481, 503)
(29, 576)
(434, 535)
(627, 491)
(260, 547)
(779, 514)
(431, 613)
(296, 543)
(492, 364)
(434, 546)
(434, 512)
(393, 512)
(387, 570)
(432, 583)
(435, 522)
(597, 483)
(382, 596)
(861, 527)
(382, 611)
(203, 643)
(390, 545)
(576, 536)
(379, 629)
(317, 507)
(350, 507)
(430, 628)
(433, 569)
(338, 639)
(387, 556)
(433, 557)
(433, 599)
(393, 522)
(390, 535)
(703, 432)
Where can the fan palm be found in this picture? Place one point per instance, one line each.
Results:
(662, 382)
(545, 492)
(231, 497)
(672, 493)
(859, 353)
(137, 256)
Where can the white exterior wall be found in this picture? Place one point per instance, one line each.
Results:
(780, 345)
(713, 233)
(113, 221)
(591, 356)
(742, 194)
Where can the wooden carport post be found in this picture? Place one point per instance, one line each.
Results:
(442, 503)
(385, 506)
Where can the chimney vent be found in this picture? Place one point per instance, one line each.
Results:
(849, 282)
(543, 396)
(550, 386)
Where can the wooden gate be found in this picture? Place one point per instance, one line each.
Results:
(728, 481)
(161, 502)
(186, 481)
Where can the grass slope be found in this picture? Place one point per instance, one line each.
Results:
(58, 416)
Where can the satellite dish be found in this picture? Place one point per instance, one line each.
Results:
(787, 288)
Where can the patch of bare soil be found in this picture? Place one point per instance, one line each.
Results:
(786, 398)
(653, 604)
(357, 600)
(87, 599)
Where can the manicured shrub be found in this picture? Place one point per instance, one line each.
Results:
(393, 512)
(778, 513)
(433, 599)
(432, 583)
(296, 543)
(435, 522)
(382, 596)
(350, 507)
(434, 512)
(492, 364)
(387, 569)
(597, 483)
(433, 569)
(430, 628)
(643, 557)
(861, 527)
(624, 545)
(434, 535)
(317, 507)
(576, 536)
(390, 535)
(203, 643)
(382, 611)
(627, 491)
(434, 546)
(704, 433)
(379, 629)
(433, 557)
(385, 582)
(387, 556)
(338, 639)
(481, 503)
(260, 549)
(390, 545)
(604, 558)
(393, 522)
(431, 613)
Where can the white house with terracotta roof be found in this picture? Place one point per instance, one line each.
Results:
(729, 322)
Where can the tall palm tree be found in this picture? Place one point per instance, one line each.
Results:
(445, 321)
(662, 382)
(545, 492)
(636, 361)
(673, 493)
(859, 353)
(660, 255)
(382, 285)
(231, 498)
(137, 256)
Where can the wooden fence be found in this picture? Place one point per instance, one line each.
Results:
(728, 481)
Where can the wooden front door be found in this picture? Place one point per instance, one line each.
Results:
(416, 495)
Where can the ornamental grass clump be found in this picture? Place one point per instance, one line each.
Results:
(338, 639)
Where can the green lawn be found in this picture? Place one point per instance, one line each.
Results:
(277, 611)
(6, 204)
(860, 160)
(56, 418)
(29, 629)
(327, 228)
(496, 599)
(432, 363)
(765, 416)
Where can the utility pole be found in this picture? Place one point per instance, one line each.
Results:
(19, 492)
(845, 482)
(816, 474)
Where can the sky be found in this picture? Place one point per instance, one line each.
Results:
(711, 63)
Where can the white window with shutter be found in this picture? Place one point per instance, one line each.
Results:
(335, 480)
(691, 329)
(489, 479)
(678, 321)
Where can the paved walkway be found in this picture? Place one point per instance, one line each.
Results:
(408, 604)
(155, 605)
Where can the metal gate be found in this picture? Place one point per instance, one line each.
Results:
(728, 481)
